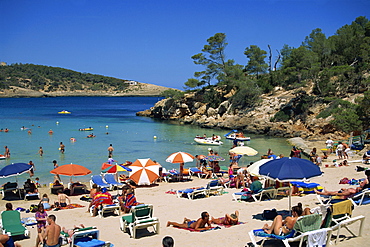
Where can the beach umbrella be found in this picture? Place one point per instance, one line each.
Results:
(180, 157)
(144, 171)
(71, 170)
(288, 169)
(244, 150)
(14, 169)
(254, 169)
(214, 158)
(110, 168)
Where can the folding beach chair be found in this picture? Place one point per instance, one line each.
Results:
(11, 224)
(361, 198)
(141, 216)
(106, 209)
(88, 236)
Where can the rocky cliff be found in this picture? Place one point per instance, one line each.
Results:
(257, 120)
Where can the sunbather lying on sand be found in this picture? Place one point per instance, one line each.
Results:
(199, 224)
(342, 193)
(229, 219)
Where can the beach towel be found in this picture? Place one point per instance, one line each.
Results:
(317, 239)
(262, 233)
(193, 230)
(70, 206)
(344, 207)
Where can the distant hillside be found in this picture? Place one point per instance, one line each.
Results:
(29, 80)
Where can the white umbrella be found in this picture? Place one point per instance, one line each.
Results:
(144, 171)
(254, 169)
(244, 151)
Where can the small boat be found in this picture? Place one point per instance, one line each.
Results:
(2, 157)
(64, 112)
(232, 135)
(86, 129)
(207, 141)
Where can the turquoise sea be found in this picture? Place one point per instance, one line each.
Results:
(132, 137)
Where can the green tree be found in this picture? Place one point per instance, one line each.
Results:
(213, 59)
(256, 64)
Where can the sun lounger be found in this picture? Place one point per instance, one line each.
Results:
(307, 188)
(9, 187)
(106, 209)
(361, 198)
(32, 196)
(11, 224)
(140, 217)
(339, 217)
(270, 193)
(110, 179)
(191, 193)
(87, 237)
(98, 180)
(214, 187)
(304, 227)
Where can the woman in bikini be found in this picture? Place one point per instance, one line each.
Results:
(284, 227)
(229, 219)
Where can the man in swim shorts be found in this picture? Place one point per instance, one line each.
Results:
(229, 219)
(51, 233)
(199, 224)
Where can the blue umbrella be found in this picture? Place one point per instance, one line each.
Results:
(14, 169)
(290, 169)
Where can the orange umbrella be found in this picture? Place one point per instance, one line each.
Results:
(71, 170)
(180, 157)
(144, 171)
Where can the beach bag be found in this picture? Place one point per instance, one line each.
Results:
(33, 208)
(269, 214)
(246, 196)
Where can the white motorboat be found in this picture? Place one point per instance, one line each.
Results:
(232, 135)
(208, 141)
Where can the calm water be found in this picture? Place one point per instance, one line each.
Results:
(132, 137)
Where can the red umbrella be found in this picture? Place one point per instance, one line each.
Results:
(144, 171)
(110, 168)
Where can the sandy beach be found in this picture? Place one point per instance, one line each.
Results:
(169, 207)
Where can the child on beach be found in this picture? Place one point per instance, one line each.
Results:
(40, 216)
(45, 201)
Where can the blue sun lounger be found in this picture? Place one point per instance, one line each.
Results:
(98, 180)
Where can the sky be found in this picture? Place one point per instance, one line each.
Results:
(152, 41)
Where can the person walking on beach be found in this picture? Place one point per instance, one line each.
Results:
(110, 150)
(62, 147)
(51, 232)
(41, 151)
(199, 224)
(7, 152)
(329, 145)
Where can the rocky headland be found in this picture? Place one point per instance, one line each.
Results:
(257, 120)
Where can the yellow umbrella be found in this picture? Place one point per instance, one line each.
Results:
(243, 150)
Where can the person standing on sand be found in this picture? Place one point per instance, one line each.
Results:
(56, 176)
(62, 147)
(51, 232)
(7, 152)
(110, 150)
(329, 145)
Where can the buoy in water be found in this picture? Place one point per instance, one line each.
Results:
(106, 126)
(57, 122)
(155, 137)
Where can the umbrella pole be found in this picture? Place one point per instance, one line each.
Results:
(290, 199)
